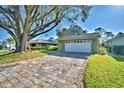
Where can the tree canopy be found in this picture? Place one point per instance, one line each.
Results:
(73, 29)
(26, 22)
(105, 35)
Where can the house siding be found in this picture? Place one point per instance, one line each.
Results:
(95, 45)
(61, 46)
(117, 42)
(94, 48)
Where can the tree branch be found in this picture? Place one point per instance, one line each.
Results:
(6, 11)
(33, 36)
(8, 30)
(35, 20)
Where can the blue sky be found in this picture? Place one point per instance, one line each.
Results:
(110, 18)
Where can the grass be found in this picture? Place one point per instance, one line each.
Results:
(104, 72)
(14, 57)
(2, 52)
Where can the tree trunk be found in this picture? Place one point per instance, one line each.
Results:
(22, 47)
(23, 44)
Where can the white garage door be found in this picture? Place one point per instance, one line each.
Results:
(78, 46)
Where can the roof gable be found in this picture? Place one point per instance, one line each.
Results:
(117, 36)
(83, 36)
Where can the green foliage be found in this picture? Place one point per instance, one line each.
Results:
(104, 72)
(45, 47)
(102, 50)
(13, 57)
(73, 30)
(1, 47)
(52, 48)
(37, 48)
(10, 41)
(105, 35)
(2, 52)
(119, 49)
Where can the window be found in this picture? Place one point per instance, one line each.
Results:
(88, 40)
(81, 41)
(74, 41)
(78, 41)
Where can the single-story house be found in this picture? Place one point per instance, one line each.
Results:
(116, 44)
(34, 43)
(86, 43)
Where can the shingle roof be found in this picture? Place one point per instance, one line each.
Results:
(84, 36)
(117, 36)
(42, 41)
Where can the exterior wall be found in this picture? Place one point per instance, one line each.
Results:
(95, 45)
(115, 42)
(61, 46)
(118, 41)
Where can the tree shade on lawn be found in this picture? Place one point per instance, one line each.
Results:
(26, 22)
(104, 72)
(14, 57)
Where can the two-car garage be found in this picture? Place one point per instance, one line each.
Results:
(78, 46)
(85, 43)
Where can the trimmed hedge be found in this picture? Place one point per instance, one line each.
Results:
(36, 48)
(119, 50)
(52, 48)
(47, 47)
(102, 50)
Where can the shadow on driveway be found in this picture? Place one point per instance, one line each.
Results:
(70, 54)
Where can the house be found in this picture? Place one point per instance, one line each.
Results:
(116, 44)
(10, 47)
(86, 43)
(34, 43)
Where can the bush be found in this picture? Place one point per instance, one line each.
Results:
(36, 48)
(102, 50)
(1, 47)
(52, 48)
(46, 47)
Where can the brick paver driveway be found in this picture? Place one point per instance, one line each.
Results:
(48, 71)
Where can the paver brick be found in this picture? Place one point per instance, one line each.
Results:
(46, 72)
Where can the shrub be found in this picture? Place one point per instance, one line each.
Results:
(52, 47)
(36, 48)
(102, 50)
(1, 47)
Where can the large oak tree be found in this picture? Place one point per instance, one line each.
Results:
(24, 23)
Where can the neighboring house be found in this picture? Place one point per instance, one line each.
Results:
(86, 43)
(10, 46)
(5, 45)
(116, 44)
(1, 45)
(34, 43)
(0, 42)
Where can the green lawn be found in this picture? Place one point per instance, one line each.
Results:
(7, 57)
(104, 72)
(2, 52)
